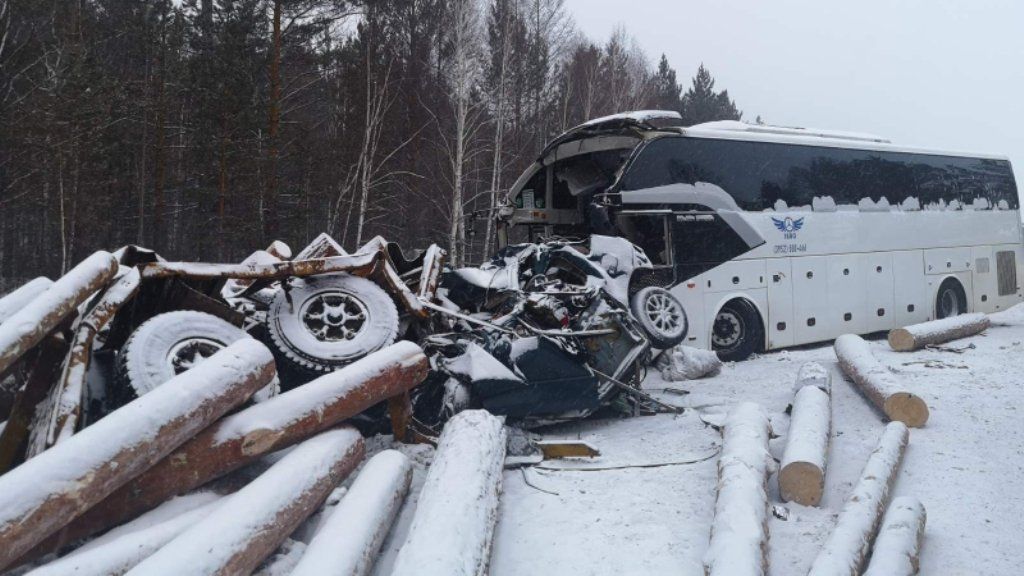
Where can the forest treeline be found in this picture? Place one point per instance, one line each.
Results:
(206, 128)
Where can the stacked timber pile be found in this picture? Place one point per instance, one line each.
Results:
(194, 478)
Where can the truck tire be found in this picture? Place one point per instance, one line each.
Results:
(661, 316)
(322, 323)
(167, 345)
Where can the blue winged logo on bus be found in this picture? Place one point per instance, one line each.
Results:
(787, 224)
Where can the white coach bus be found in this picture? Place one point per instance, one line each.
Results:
(774, 237)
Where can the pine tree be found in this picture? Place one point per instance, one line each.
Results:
(702, 104)
(666, 92)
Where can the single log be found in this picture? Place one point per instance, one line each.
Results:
(739, 532)
(802, 476)
(910, 338)
(63, 409)
(120, 550)
(897, 550)
(26, 328)
(358, 264)
(350, 538)
(20, 297)
(453, 527)
(48, 491)
(251, 523)
(847, 546)
(44, 374)
(878, 384)
(244, 437)
(813, 374)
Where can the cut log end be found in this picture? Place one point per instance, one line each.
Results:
(901, 340)
(801, 482)
(907, 408)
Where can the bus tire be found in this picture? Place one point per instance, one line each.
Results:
(737, 331)
(950, 300)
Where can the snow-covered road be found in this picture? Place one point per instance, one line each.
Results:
(649, 510)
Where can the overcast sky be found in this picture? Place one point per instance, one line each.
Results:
(930, 73)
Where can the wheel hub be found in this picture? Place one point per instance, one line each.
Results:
(333, 316)
(727, 329)
(663, 312)
(189, 353)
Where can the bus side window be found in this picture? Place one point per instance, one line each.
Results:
(702, 241)
(649, 233)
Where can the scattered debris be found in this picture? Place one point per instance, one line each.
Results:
(846, 550)
(802, 472)
(877, 383)
(686, 363)
(897, 550)
(929, 334)
(739, 533)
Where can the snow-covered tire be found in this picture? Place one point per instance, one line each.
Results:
(322, 323)
(661, 316)
(171, 343)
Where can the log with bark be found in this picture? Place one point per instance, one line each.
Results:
(897, 550)
(349, 539)
(42, 377)
(48, 491)
(122, 548)
(453, 527)
(739, 532)
(61, 414)
(878, 384)
(27, 327)
(251, 523)
(910, 338)
(802, 473)
(20, 297)
(244, 437)
(846, 549)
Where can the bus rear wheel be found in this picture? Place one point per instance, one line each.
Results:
(737, 332)
(950, 300)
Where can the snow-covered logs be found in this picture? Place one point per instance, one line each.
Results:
(242, 438)
(251, 523)
(21, 296)
(847, 546)
(739, 533)
(453, 527)
(802, 476)
(122, 548)
(910, 338)
(897, 550)
(48, 491)
(686, 363)
(350, 538)
(27, 327)
(877, 383)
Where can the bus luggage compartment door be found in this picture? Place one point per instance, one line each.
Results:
(780, 326)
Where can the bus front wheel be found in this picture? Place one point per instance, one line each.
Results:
(737, 331)
(950, 300)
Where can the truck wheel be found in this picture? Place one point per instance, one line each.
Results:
(171, 343)
(322, 323)
(661, 316)
(737, 332)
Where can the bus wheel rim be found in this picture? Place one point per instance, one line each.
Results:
(728, 329)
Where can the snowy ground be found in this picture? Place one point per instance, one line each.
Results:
(645, 506)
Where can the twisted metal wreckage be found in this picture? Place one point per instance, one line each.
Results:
(542, 333)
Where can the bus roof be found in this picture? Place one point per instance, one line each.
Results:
(734, 130)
